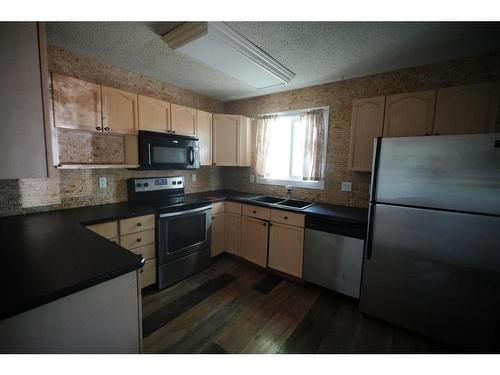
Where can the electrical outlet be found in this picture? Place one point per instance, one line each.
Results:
(252, 179)
(346, 186)
(193, 177)
(103, 182)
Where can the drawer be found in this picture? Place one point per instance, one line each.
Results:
(217, 208)
(262, 213)
(107, 230)
(232, 207)
(286, 217)
(147, 252)
(131, 241)
(137, 224)
(148, 273)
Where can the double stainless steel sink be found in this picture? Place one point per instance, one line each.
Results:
(282, 202)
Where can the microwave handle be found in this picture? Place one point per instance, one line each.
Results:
(149, 153)
(191, 155)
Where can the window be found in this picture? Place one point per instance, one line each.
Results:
(288, 148)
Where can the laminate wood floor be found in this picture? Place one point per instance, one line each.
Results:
(233, 307)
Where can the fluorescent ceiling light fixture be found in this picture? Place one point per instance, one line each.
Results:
(220, 47)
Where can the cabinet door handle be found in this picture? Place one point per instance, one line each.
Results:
(139, 224)
(106, 128)
(264, 224)
(139, 239)
(254, 211)
(285, 217)
(173, 131)
(98, 128)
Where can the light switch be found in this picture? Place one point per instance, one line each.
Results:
(346, 186)
(193, 177)
(103, 182)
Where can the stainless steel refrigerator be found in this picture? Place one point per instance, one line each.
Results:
(432, 255)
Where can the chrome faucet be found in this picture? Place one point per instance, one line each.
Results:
(289, 189)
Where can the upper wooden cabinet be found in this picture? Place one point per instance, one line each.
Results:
(367, 123)
(77, 103)
(410, 114)
(119, 111)
(23, 101)
(183, 120)
(231, 140)
(154, 114)
(466, 109)
(204, 132)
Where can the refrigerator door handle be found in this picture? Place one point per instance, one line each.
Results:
(369, 233)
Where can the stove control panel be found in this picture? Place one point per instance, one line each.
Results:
(158, 183)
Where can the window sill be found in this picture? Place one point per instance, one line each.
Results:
(320, 185)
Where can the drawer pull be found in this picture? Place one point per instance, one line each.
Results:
(139, 239)
(254, 211)
(285, 217)
(264, 224)
(139, 224)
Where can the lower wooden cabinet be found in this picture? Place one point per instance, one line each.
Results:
(254, 235)
(286, 248)
(232, 233)
(136, 234)
(148, 273)
(107, 230)
(217, 233)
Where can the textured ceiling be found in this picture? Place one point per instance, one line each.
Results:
(317, 52)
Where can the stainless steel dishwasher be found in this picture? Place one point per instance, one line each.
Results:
(333, 254)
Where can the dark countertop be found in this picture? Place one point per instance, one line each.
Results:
(50, 255)
(342, 213)
(46, 256)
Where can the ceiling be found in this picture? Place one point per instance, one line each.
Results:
(317, 52)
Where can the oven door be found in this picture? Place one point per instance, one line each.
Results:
(163, 151)
(183, 233)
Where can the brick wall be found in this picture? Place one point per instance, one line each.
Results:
(74, 188)
(339, 96)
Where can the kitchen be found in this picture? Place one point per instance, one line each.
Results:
(208, 213)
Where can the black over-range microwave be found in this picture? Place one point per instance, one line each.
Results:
(168, 151)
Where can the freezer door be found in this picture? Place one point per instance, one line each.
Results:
(435, 272)
(454, 172)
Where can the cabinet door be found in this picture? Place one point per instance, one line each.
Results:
(286, 248)
(232, 232)
(217, 233)
(154, 114)
(23, 74)
(466, 109)
(119, 111)
(204, 131)
(226, 130)
(77, 104)
(366, 124)
(410, 114)
(244, 141)
(254, 240)
(183, 120)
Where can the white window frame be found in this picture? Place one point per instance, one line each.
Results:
(319, 185)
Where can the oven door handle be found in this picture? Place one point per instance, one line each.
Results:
(204, 208)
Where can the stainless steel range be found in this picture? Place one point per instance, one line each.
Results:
(182, 226)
